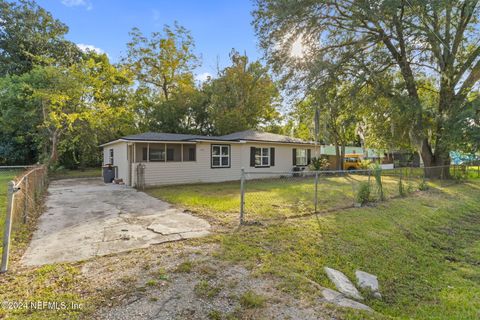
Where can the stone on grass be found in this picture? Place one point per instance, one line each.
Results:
(342, 283)
(339, 299)
(368, 282)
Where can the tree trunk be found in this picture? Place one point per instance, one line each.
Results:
(337, 157)
(54, 148)
(342, 157)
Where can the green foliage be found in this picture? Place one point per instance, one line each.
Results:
(363, 193)
(164, 61)
(365, 164)
(318, 164)
(243, 96)
(30, 36)
(423, 97)
(423, 186)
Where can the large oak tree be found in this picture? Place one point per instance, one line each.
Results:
(364, 40)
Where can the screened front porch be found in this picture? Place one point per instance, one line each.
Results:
(163, 152)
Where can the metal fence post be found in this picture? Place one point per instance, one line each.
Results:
(316, 191)
(242, 195)
(25, 200)
(8, 227)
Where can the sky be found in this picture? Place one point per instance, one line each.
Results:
(217, 26)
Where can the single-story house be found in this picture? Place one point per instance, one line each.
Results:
(169, 158)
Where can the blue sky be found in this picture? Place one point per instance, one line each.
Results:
(217, 26)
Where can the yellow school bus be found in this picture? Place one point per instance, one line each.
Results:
(352, 161)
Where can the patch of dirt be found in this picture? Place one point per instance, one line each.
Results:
(184, 280)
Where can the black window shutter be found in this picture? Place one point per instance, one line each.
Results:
(272, 157)
(252, 156)
(144, 150)
(294, 156)
(309, 156)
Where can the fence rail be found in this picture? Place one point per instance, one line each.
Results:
(23, 197)
(268, 195)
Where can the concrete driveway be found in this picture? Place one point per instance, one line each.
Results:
(85, 218)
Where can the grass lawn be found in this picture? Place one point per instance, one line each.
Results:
(424, 248)
(78, 173)
(5, 177)
(273, 198)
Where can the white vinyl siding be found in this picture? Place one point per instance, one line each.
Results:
(200, 170)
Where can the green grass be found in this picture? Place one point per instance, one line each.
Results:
(272, 198)
(204, 289)
(5, 177)
(50, 283)
(70, 174)
(251, 300)
(424, 248)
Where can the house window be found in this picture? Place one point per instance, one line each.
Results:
(157, 154)
(220, 156)
(110, 158)
(302, 157)
(262, 157)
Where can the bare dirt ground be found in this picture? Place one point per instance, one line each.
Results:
(185, 281)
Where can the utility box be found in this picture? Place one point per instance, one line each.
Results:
(109, 173)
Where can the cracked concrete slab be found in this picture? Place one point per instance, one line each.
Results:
(85, 218)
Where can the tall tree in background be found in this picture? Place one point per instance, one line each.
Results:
(30, 36)
(165, 61)
(243, 96)
(364, 40)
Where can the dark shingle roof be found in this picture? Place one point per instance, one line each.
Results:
(252, 135)
(160, 136)
(248, 135)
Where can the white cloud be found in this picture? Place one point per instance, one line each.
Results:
(202, 77)
(89, 47)
(78, 3)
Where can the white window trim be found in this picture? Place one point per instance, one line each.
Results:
(305, 157)
(261, 156)
(111, 154)
(220, 156)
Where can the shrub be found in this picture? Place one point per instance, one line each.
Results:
(365, 164)
(423, 186)
(363, 193)
(318, 164)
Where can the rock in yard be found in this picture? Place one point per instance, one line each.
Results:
(369, 282)
(339, 299)
(342, 283)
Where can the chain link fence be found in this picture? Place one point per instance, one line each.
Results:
(21, 191)
(279, 195)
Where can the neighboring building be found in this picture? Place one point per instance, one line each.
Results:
(328, 151)
(181, 158)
